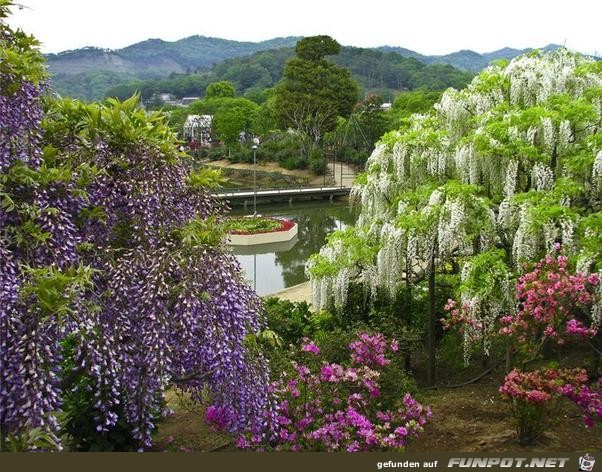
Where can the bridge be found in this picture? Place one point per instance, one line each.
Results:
(246, 195)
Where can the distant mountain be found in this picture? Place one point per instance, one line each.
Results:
(88, 73)
(155, 57)
(466, 59)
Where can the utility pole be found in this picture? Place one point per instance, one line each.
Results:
(255, 146)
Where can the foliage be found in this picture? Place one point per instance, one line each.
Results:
(252, 225)
(490, 177)
(291, 321)
(206, 177)
(95, 84)
(220, 89)
(354, 137)
(411, 102)
(314, 91)
(327, 406)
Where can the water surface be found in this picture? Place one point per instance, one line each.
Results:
(271, 268)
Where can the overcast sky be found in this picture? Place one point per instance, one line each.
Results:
(426, 26)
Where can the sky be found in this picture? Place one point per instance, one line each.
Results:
(426, 26)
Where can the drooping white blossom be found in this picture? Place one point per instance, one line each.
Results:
(501, 135)
(511, 178)
(542, 177)
(597, 174)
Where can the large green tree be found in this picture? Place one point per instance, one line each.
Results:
(221, 89)
(314, 91)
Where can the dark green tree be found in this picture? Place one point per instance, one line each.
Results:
(314, 91)
(229, 123)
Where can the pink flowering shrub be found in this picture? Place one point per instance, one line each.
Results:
(551, 301)
(534, 396)
(553, 304)
(325, 406)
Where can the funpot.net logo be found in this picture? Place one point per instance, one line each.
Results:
(516, 462)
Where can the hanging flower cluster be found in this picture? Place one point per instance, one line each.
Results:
(511, 161)
(335, 407)
(113, 275)
(29, 350)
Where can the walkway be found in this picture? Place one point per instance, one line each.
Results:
(286, 192)
(296, 293)
(343, 174)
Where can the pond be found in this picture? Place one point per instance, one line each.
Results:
(271, 268)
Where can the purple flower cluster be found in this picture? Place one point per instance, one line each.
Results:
(370, 349)
(588, 398)
(111, 194)
(309, 346)
(219, 416)
(333, 407)
(29, 351)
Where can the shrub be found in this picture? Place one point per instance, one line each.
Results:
(252, 225)
(534, 398)
(291, 321)
(328, 406)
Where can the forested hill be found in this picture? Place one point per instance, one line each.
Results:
(155, 56)
(467, 59)
(384, 72)
(186, 66)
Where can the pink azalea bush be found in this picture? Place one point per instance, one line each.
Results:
(534, 396)
(554, 305)
(325, 406)
(550, 301)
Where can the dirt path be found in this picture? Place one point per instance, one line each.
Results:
(272, 167)
(296, 293)
(343, 174)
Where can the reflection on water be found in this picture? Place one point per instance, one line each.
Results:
(280, 266)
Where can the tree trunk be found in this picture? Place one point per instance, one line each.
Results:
(509, 359)
(408, 315)
(596, 362)
(432, 323)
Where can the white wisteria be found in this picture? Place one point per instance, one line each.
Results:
(500, 165)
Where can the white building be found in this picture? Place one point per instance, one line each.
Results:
(197, 128)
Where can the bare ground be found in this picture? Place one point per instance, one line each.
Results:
(476, 418)
(296, 293)
(466, 419)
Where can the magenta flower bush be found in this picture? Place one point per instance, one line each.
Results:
(554, 304)
(326, 406)
(534, 398)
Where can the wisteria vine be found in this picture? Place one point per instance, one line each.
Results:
(108, 247)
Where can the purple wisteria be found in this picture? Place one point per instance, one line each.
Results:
(104, 246)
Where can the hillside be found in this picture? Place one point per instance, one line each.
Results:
(87, 73)
(384, 72)
(90, 73)
(466, 59)
(159, 57)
